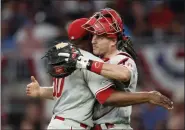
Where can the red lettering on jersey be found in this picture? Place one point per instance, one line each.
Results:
(58, 87)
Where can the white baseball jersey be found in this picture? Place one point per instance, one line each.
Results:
(75, 94)
(103, 114)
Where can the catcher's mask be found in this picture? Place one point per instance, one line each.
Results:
(107, 21)
(56, 65)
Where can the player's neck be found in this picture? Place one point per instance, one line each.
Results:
(111, 53)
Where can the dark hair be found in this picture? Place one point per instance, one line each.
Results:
(126, 45)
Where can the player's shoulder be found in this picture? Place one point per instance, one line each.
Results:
(90, 56)
(121, 57)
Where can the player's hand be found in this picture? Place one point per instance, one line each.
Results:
(33, 89)
(81, 61)
(158, 99)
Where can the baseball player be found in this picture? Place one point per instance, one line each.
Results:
(105, 45)
(121, 67)
(74, 96)
(76, 93)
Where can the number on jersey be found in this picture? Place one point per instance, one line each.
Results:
(58, 84)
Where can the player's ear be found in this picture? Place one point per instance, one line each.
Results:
(114, 42)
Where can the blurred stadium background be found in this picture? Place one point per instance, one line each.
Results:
(28, 27)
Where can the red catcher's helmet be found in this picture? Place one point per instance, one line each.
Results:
(107, 22)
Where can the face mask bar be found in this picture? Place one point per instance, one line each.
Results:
(102, 24)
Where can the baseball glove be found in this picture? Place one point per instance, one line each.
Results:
(57, 65)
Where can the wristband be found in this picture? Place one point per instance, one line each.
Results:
(95, 66)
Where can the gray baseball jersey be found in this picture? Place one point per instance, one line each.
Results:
(103, 114)
(75, 94)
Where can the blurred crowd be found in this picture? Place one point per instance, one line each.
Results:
(29, 27)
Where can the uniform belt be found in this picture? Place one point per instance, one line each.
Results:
(98, 126)
(62, 119)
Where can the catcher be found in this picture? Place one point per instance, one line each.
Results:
(71, 84)
(106, 27)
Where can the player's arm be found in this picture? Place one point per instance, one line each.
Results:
(34, 90)
(122, 68)
(110, 97)
(46, 92)
(122, 99)
(103, 90)
(112, 71)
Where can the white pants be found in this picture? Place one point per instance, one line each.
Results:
(65, 125)
(116, 127)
